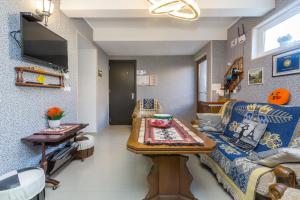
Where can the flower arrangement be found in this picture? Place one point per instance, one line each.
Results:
(55, 113)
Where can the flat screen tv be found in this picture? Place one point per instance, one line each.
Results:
(42, 46)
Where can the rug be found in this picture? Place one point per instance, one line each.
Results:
(176, 135)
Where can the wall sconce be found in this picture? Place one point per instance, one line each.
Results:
(45, 8)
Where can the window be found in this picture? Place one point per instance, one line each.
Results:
(277, 33)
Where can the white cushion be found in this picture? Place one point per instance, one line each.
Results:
(210, 122)
(86, 144)
(291, 194)
(31, 183)
(279, 156)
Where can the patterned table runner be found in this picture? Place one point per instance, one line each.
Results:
(58, 131)
(178, 134)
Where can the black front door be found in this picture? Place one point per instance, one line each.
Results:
(122, 86)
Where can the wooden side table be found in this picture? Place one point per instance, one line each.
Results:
(52, 140)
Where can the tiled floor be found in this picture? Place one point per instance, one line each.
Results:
(114, 173)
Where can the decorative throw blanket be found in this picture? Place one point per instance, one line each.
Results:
(178, 134)
(58, 131)
(238, 174)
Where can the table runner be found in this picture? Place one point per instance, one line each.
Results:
(178, 134)
(58, 131)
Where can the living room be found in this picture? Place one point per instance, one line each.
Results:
(149, 99)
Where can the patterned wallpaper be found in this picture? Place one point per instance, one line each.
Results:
(259, 93)
(22, 109)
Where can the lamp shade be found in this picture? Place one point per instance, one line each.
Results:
(45, 7)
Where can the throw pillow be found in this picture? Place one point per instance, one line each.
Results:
(248, 134)
(279, 97)
(148, 105)
(272, 158)
(209, 122)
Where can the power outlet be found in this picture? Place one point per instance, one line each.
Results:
(242, 39)
(234, 42)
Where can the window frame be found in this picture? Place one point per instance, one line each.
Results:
(258, 32)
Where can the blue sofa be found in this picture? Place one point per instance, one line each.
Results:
(240, 176)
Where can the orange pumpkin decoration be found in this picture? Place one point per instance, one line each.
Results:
(279, 97)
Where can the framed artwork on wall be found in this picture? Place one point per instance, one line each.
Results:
(286, 63)
(256, 76)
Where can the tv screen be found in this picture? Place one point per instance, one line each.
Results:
(42, 46)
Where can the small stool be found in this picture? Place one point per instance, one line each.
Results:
(86, 147)
(24, 184)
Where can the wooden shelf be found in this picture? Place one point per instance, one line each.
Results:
(34, 71)
(20, 78)
(38, 85)
(238, 64)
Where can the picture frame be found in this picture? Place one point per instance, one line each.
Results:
(256, 76)
(286, 63)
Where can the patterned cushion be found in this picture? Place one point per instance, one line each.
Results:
(226, 113)
(283, 123)
(148, 105)
(248, 134)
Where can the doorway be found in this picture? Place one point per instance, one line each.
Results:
(122, 91)
(202, 89)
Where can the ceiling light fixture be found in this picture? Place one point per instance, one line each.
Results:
(183, 9)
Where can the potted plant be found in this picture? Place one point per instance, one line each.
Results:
(284, 40)
(54, 115)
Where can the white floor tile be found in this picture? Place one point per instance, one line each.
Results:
(114, 173)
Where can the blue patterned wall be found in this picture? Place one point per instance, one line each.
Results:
(22, 109)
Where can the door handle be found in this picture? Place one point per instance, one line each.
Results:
(132, 96)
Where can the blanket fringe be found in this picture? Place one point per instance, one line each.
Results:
(220, 179)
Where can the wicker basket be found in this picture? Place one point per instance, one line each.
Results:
(84, 150)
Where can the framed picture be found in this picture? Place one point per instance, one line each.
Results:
(256, 76)
(286, 63)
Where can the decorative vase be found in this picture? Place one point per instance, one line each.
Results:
(54, 123)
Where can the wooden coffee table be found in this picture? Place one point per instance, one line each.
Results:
(169, 177)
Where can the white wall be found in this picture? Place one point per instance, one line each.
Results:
(87, 87)
(102, 91)
(93, 90)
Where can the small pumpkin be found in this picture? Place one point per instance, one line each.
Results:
(279, 96)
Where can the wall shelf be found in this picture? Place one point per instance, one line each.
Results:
(20, 78)
(234, 75)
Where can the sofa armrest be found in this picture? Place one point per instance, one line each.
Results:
(282, 192)
(285, 175)
(277, 190)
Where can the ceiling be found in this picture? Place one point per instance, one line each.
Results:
(125, 27)
(153, 48)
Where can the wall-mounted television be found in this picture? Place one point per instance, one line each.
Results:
(42, 46)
